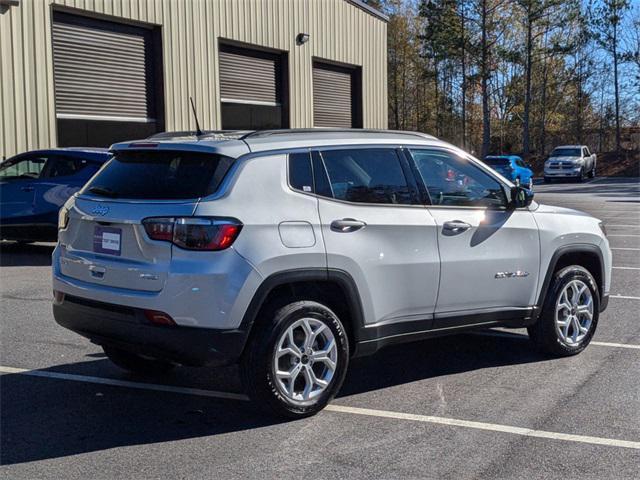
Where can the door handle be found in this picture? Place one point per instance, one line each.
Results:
(456, 226)
(28, 188)
(347, 225)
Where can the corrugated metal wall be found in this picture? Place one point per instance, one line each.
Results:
(339, 31)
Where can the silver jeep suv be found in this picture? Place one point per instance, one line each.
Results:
(292, 252)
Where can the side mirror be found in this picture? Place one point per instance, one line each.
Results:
(521, 197)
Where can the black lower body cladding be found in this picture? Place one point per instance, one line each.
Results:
(128, 329)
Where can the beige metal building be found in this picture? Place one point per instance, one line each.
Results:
(92, 72)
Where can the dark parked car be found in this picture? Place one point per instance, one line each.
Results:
(34, 185)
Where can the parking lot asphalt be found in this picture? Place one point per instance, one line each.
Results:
(483, 405)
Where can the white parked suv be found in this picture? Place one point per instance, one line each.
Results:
(291, 252)
(570, 161)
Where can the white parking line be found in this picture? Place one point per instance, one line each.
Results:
(453, 422)
(622, 226)
(629, 248)
(625, 297)
(623, 235)
(616, 345)
(626, 268)
(123, 383)
(493, 427)
(517, 336)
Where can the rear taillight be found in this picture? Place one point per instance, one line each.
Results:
(194, 233)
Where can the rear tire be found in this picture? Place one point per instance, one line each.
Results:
(592, 173)
(135, 363)
(569, 315)
(296, 360)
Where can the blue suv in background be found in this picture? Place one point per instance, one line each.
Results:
(513, 168)
(34, 185)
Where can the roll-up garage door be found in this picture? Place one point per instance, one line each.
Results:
(251, 90)
(103, 72)
(248, 78)
(335, 92)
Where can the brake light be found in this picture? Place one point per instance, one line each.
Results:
(194, 233)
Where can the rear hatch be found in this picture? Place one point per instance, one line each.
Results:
(105, 241)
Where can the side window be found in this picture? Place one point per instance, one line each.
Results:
(65, 167)
(300, 173)
(371, 175)
(455, 181)
(520, 163)
(586, 152)
(26, 168)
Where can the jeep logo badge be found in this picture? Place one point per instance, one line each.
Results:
(100, 210)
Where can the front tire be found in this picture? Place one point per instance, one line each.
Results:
(570, 313)
(296, 360)
(135, 363)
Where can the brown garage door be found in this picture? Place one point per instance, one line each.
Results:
(251, 88)
(103, 73)
(335, 96)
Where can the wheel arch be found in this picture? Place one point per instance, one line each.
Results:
(585, 255)
(333, 287)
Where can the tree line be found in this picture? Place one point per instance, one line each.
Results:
(515, 76)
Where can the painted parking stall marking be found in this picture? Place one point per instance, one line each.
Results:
(526, 432)
(452, 422)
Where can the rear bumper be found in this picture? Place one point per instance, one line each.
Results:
(128, 329)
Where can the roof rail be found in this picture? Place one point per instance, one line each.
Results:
(207, 134)
(293, 131)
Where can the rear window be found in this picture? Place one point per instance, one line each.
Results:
(160, 175)
(496, 161)
(566, 152)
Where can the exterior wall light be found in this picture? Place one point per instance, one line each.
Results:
(302, 38)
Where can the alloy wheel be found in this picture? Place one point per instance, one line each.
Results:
(574, 312)
(305, 359)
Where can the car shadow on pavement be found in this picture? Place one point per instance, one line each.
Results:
(45, 418)
(25, 255)
(435, 358)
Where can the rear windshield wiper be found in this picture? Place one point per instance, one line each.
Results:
(103, 191)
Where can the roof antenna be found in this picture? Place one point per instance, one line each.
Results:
(195, 115)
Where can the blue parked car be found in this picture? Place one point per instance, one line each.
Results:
(34, 185)
(513, 168)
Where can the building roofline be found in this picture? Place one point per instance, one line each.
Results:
(369, 9)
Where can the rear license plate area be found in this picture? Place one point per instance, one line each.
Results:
(107, 240)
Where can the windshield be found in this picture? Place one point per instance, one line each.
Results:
(160, 175)
(566, 152)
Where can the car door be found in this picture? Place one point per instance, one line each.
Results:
(19, 178)
(524, 171)
(588, 161)
(376, 229)
(489, 253)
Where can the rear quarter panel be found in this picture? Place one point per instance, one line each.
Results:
(281, 227)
